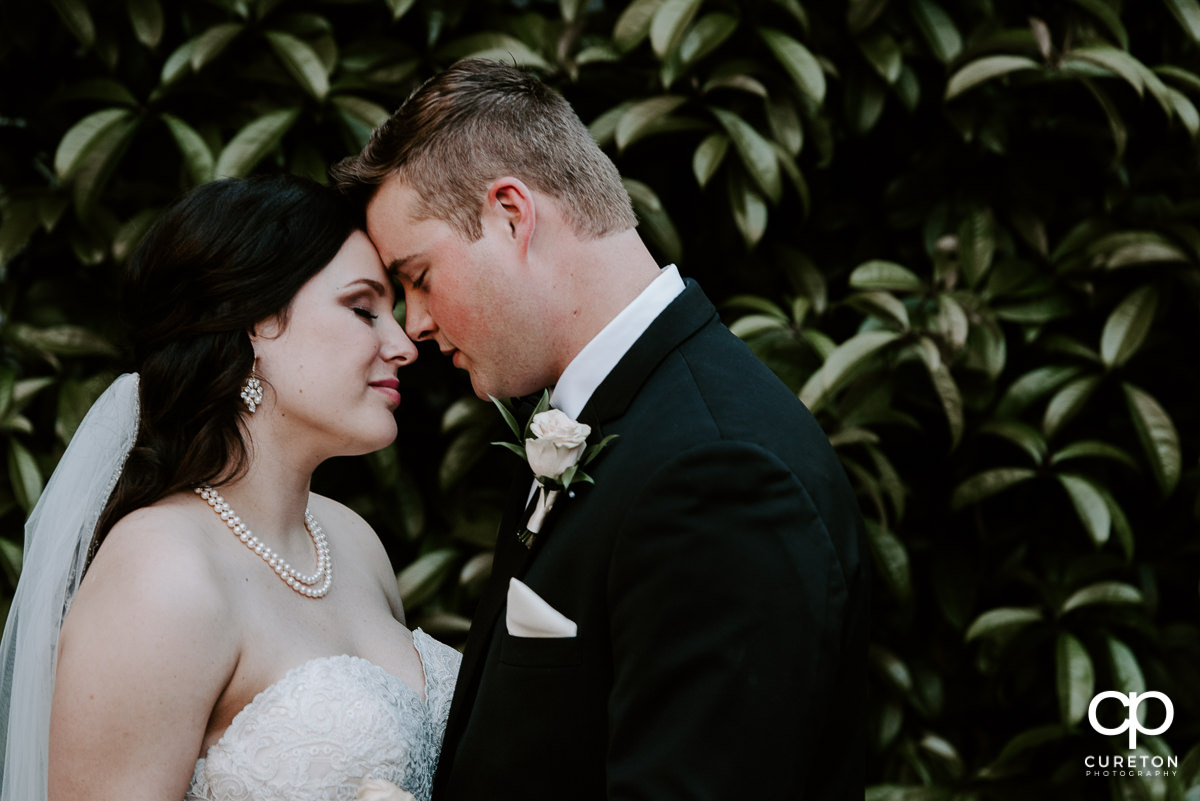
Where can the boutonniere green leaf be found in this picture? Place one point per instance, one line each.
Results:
(556, 449)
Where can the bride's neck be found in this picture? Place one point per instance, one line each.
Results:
(270, 496)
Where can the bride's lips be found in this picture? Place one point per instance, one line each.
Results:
(389, 387)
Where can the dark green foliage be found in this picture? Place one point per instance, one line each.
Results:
(966, 233)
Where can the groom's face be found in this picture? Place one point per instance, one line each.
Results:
(474, 299)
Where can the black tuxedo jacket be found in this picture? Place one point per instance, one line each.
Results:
(716, 573)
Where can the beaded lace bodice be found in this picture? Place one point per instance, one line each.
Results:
(329, 723)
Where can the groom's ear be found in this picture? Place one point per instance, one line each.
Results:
(512, 203)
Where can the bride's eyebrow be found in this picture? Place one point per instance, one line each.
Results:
(369, 283)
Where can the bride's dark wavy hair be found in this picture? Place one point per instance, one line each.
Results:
(228, 255)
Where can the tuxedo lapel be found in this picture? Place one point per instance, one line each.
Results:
(689, 312)
(509, 559)
(686, 315)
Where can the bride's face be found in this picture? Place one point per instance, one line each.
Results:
(330, 374)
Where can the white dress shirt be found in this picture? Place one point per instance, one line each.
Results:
(592, 365)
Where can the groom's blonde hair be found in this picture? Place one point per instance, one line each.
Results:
(475, 122)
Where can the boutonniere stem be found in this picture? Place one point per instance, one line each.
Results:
(556, 450)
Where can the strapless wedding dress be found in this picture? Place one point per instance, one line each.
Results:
(328, 724)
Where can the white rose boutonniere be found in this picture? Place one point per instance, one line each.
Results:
(556, 449)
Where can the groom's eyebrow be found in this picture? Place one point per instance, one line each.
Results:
(395, 266)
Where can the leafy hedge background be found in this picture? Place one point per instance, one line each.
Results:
(965, 232)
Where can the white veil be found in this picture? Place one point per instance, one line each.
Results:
(58, 536)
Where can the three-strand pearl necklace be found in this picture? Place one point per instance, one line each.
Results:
(304, 584)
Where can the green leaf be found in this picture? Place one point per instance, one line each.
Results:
(496, 46)
(884, 305)
(841, 365)
(755, 151)
(865, 96)
(210, 44)
(1023, 436)
(1029, 742)
(421, 580)
(1003, 620)
(1127, 248)
(988, 483)
(1093, 449)
(1108, 17)
(759, 304)
(749, 208)
(709, 32)
(708, 157)
(1042, 309)
(61, 340)
(74, 14)
(24, 475)
(654, 220)
(196, 155)
(1076, 678)
(84, 136)
(1067, 402)
(103, 90)
(1115, 61)
(643, 115)
(1185, 111)
(178, 63)
(669, 24)
(1103, 592)
(1127, 326)
(938, 29)
(1187, 12)
(986, 69)
(604, 128)
(1116, 124)
(634, 23)
(593, 451)
(798, 61)
(1157, 433)
(945, 387)
(253, 142)
(131, 232)
(147, 19)
(862, 13)
(1089, 506)
(11, 557)
(361, 116)
(976, 244)
(1186, 79)
(17, 225)
(302, 62)
(754, 324)
(883, 54)
(509, 419)
(885, 275)
(1126, 671)
(511, 446)
(784, 122)
(400, 7)
(8, 380)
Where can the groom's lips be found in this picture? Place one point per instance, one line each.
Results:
(452, 355)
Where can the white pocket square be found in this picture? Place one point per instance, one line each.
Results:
(529, 616)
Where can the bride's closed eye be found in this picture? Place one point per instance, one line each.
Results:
(366, 314)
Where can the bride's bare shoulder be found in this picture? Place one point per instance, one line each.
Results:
(162, 555)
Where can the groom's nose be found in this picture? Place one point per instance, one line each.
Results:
(418, 323)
